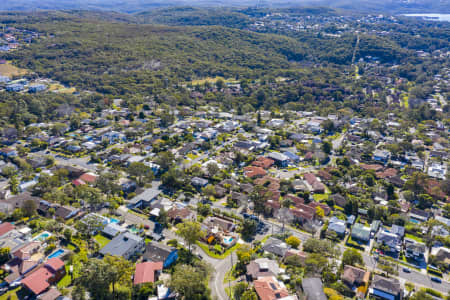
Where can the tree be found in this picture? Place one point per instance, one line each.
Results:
(4, 255)
(259, 197)
(327, 147)
(29, 208)
(143, 291)
(141, 172)
(248, 228)
(293, 241)
(213, 169)
(165, 160)
(190, 231)
(239, 289)
(67, 234)
(352, 257)
(14, 185)
(209, 190)
(421, 295)
(315, 263)
(173, 178)
(121, 271)
(320, 212)
(99, 275)
(244, 254)
(189, 283)
(249, 295)
(89, 194)
(78, 293)
(328, 126)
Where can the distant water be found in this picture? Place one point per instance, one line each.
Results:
(431, 17)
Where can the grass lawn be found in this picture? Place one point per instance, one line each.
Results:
(9, 70)
(205, 248)
(192, 156)
(13, 294)
(229, 275)
(101, 240)
(65, 281)
(320, 197)
(413, 237)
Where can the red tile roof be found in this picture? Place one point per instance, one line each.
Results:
(6, 227)
(78, 182)
(55, 263)
(88, 177)
(37, 281)
(268, 288)
(145, 272)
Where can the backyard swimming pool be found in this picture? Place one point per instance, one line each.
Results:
(43, 236)
(112, 220)
(57, 253)
(228, 240)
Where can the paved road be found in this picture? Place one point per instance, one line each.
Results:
(338, 142)
(418, 278)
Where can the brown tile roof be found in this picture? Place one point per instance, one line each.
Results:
(353, 275)
(263, 162)
(374, 167)
(253, 172)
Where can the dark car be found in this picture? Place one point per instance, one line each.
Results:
(435, 279)
(406, 270)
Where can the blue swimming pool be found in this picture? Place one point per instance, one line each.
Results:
(228, 240)
(43, 236)
(112, 220)
(57, 253)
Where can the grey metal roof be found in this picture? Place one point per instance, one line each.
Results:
(157, 252)
(147, 195)
(313, 289)
(113, 229)
(121, 244)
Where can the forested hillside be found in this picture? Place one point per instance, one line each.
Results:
(120, 58)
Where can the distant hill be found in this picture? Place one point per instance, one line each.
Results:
(133, 6)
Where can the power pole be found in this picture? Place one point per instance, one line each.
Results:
(229, 277)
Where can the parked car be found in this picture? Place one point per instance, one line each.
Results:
(435, 279)
(407, 270)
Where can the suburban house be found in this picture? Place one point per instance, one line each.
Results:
(389, 239)
(275, 246)
(49, 273)
(386, 288)
(361, 233)
(156, 252)
(125, 244)
(112, 229)
(415, 250)
(338, 226)
(357, 279)
(145, 198)
(262, 267)
(314, 183)
(269, 288)
(263, 162)
(419, 215)
(313, 289)
(382, 156)
(279, 158)
(147, 272)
